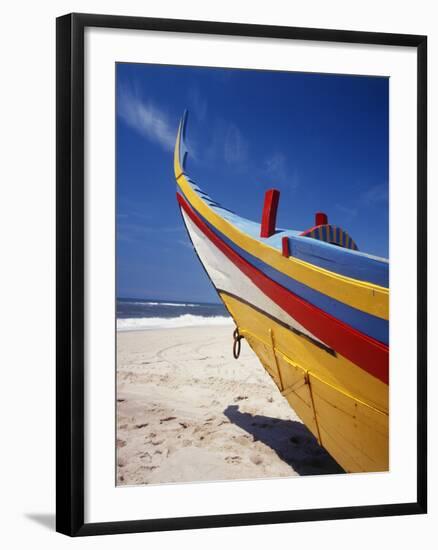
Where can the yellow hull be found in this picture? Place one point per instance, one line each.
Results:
(345, 408)
(317, 323)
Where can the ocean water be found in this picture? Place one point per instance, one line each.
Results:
(135, 314)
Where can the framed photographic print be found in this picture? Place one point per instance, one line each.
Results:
(241, 274)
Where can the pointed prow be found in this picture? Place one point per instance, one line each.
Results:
(181, 151)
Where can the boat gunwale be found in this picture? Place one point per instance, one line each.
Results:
(274, 257)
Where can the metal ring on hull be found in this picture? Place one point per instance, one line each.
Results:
(236, 343)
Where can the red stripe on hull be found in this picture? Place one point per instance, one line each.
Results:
(369, 354)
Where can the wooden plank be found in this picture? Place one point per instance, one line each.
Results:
(360, 431)
(354, 432)
(300, 350)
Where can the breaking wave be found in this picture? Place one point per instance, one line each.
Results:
(171, 304)
(187, 320)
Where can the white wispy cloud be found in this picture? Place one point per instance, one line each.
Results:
(368, 198)
(235, 146)
(185, 243)
(349, 213)
(276, 167)
(197, 103)
(375, 194)
(148, 119)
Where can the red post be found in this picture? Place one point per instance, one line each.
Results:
(285, 247)
(321, 218)
(269, 216)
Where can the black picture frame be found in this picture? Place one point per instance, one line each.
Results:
(70, 273)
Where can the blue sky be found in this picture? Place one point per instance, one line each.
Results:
(322, 140)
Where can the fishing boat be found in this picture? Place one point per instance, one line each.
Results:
(311, 306)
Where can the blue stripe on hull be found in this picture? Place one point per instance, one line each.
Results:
(368, 324)
(350, 263)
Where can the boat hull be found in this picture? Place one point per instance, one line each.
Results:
(353, 432)
(321, 334)
(343, 406)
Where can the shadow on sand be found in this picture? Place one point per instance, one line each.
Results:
(291, 440)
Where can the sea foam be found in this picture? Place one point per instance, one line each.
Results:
(171, 304)
(150, 323)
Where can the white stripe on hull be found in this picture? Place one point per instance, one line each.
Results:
(228, 277)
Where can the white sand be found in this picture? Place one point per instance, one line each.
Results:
(188, 411)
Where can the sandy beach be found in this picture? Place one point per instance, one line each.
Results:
(188, 411)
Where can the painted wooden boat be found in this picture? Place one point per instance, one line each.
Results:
(312, 307)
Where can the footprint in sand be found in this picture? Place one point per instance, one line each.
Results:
(244, 440)
(256, 459)
(233, 459)
(167, 419)
(240, 398)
